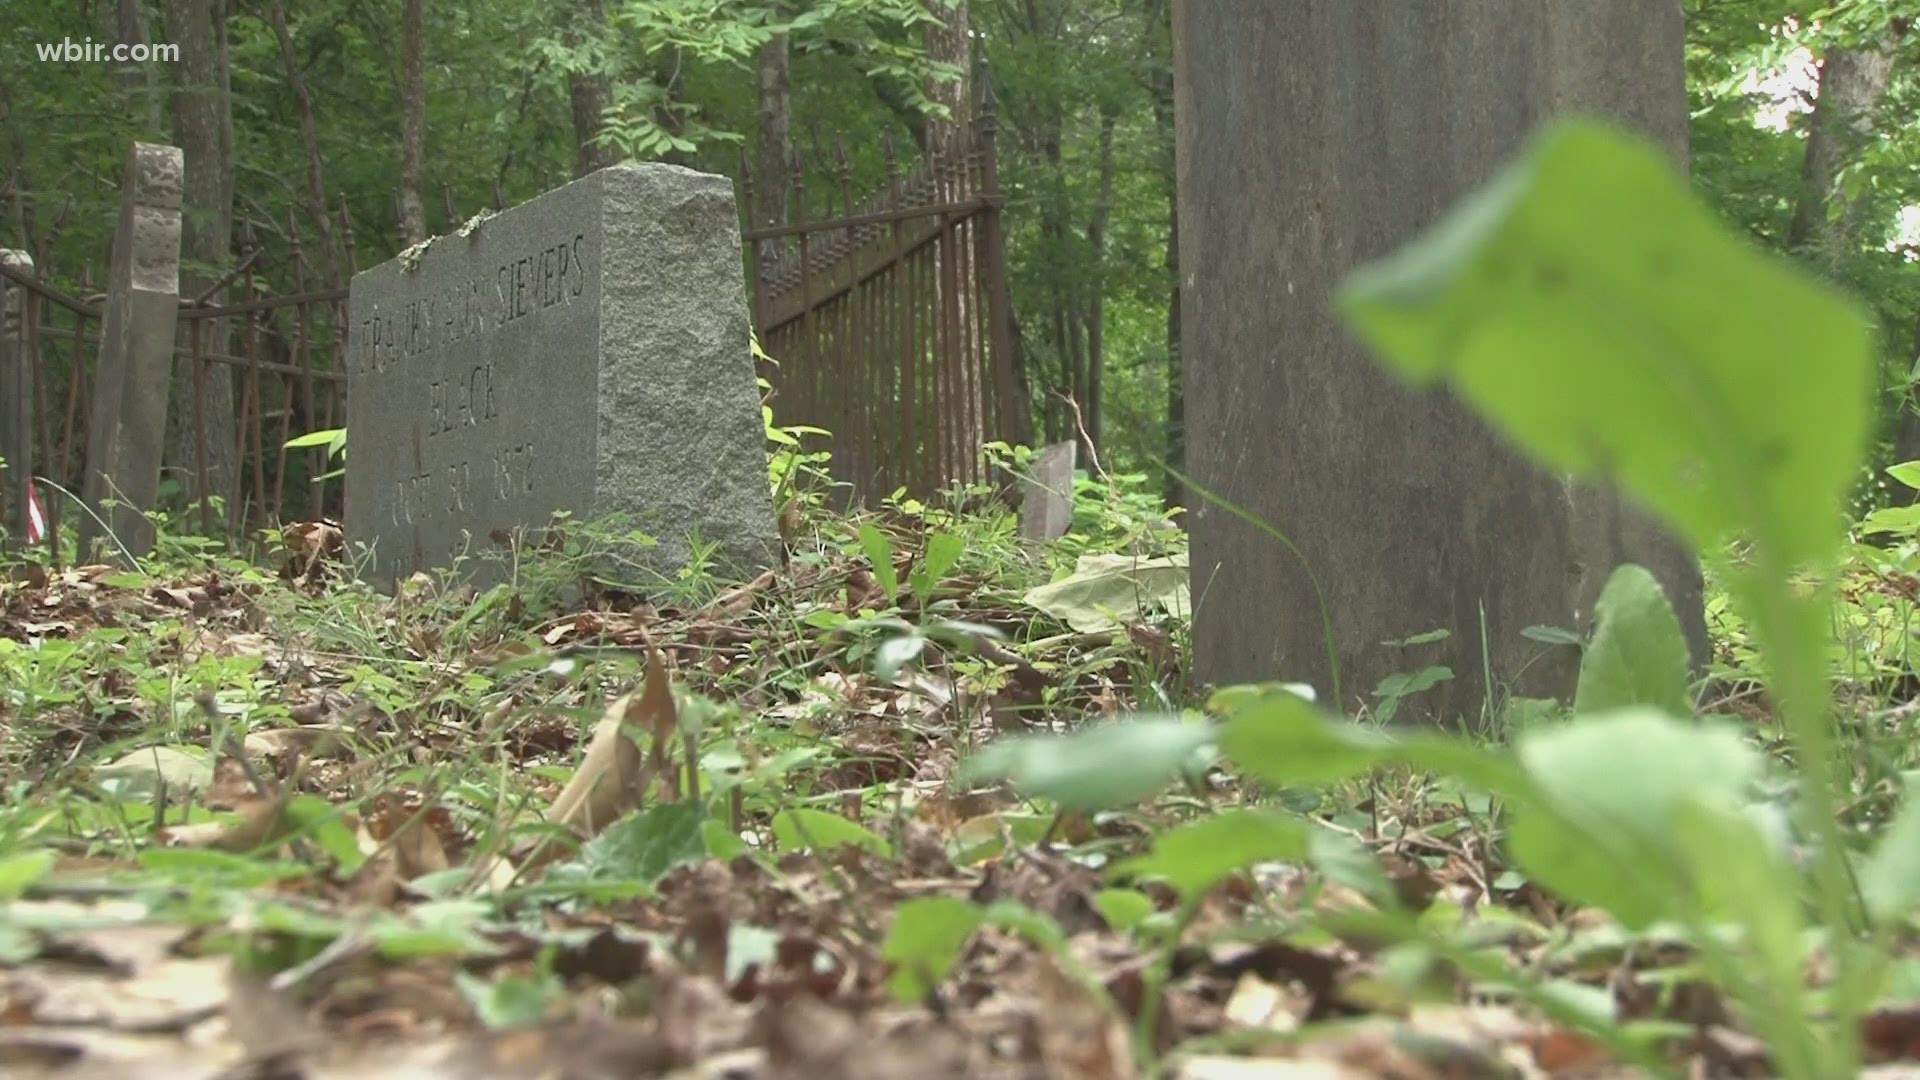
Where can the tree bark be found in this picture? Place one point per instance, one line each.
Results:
(1096, 308)
(1158, 17)
(201, 104)
(776, 132)
(1853, 82)
(143, 89)
(947, 41)
(310, 138)
(590, 94)
(413, 124)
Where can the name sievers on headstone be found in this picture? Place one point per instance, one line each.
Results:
(587, 351)
(127, 425)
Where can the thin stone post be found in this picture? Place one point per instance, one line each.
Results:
(16, 398)
(126, 433)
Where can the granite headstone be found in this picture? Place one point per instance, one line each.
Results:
(586, 352)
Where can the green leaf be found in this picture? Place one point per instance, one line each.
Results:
(943, 551)
(1598, 828)
(1553, 635)
(20, 872)
(1893, 519)
(1105, 592)
(314, 438)
(319, 819)
(1907, 472)
(1123, 909)
(879, 552)
(1608, 323)
(643, 847)
(1890, 880)
(1284, 740)
(1400, 685)
(1096, 768)
(511, 1000)
(804, 829)
(1638, 656)
(926, 938)
(1427, 638)
(895, 653)
(1199, 855)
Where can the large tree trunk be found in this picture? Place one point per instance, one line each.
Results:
(310, 139)
(1853, 82)
(590, 93)
(413, 124)
(203, 129)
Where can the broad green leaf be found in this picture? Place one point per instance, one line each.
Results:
(924, 941)
(1284, 740)
(1598, 826)
(1123, 909)
(320, 820)
(1427, 638)
(879, 551)
(1638, 656)
(510, 1000)
(1199, 855)
(1105, 592)
(1552, 635)
(804, 829)
(138, 775)
(943, 551)
(1893, 519)
(895, 653)
(1607, 322)
(1890, 880)
(1907, 472)
(643, 847)
(1345, 861)
(314, 438)
(1404, 684)
(1096, 768)
(20, 872)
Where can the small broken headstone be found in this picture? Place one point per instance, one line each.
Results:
(585, 352)
(1046, 502)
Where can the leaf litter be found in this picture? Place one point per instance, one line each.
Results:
(277, 825)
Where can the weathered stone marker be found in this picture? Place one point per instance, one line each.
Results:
(587, 351)
(16, 399)
(126, 430)
(1046, 500)
(1327, 139)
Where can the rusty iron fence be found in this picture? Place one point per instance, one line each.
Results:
(284, 355)
(889, 326)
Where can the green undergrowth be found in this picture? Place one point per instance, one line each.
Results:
(919, 703)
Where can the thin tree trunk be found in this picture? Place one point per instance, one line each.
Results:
(413, 124)
(310, 138)
(1158, 19)
(776, 131)
(1096, 303)
(947, 41)
(203, 129)
(1853, 82)
(590, 94)
(143, 89)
